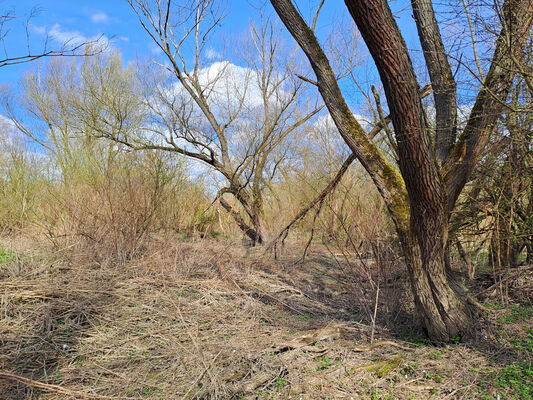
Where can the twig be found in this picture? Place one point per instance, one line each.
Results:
(303, 78)
(201, 375)
(320, 198)
(505, 279)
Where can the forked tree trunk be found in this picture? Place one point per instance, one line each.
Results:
(421, 199)
(444, 311)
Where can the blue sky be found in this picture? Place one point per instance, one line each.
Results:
(87, 19)
(115, 18)
(64, 19)
(61, 20)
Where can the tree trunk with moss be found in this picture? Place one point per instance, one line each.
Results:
(432, 173)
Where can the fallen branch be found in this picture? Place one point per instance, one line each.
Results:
(509, 277)
(282, 235)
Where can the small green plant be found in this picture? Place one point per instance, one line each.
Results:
(215, 235)
(437, 378)
(437, 354)
(518, 313)
(263, 393)
(494, 306)
(417, 339)
(6, 256)
(409, 368)
(374, 393)
(518, 378)
(324, 363)
(523, 345)
(280, 382)
(304, 317)
(148, 391)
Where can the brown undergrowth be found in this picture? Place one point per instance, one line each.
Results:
(206, 320)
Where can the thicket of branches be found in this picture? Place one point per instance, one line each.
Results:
(241, 146)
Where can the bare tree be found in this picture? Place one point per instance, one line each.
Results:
(230, 118)
(432, 173)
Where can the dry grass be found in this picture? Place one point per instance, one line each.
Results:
(204, 320)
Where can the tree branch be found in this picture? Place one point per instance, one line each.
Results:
(440, 72)
(517, 22)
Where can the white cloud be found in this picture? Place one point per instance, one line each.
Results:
(211, 54)
(72, 38)
(225, 85)
(6, 125)
(325, 122)
(13, 141)
(100, 18)
(40, 30)
(9, 134)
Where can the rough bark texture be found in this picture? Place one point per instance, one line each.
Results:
(443, 311)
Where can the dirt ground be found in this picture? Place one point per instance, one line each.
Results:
(214, 320)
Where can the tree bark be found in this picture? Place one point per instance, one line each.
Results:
(254, 232)
(443, 311)
(440, 73)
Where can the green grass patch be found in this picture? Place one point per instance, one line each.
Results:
(7, 256)
(518, 313)
(517, 378)
(525, 345)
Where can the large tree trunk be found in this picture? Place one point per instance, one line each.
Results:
(442, 307)
(443, 311)
(421, 199)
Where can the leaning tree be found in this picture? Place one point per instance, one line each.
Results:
(435, 162)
